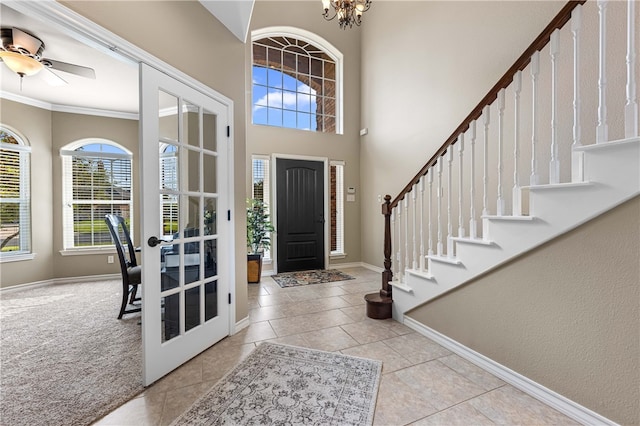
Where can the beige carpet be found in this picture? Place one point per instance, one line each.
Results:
(288, 385)
(64, 357)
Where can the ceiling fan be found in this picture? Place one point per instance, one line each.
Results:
(22, 52)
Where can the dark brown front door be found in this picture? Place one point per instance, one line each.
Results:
(300, 210)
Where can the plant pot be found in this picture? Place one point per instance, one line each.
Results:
(254, 268)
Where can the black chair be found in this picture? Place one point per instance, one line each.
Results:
(131, 271)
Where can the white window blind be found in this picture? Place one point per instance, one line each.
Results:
(96, 182)
(337, 207)
(15, 201)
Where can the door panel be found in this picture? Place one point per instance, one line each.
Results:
(185, 277)
(300, 211)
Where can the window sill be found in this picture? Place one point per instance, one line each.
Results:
(6, 258)
(338, 255)
(87, 251)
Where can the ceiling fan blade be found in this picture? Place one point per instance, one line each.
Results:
(70, 68)
(52, 78)
(26, 41)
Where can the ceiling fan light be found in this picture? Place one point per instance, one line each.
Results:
(20, 64)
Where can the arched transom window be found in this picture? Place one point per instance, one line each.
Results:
(295, 83)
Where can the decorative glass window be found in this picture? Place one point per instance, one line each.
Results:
(337, 207)
(295, 82)
(15, 201)
(169, 179)
(96, 177)
(260, 187)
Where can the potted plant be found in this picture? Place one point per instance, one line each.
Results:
(259, 229)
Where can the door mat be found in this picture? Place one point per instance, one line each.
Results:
(289, 385)
(316, 276)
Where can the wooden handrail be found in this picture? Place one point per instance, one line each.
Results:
(540, 42)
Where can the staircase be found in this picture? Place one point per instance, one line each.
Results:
(553, 145)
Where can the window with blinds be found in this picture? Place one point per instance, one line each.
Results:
(15, 202)
(260, 187)
(96, 181)
(337, 207)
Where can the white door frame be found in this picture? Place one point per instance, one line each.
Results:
(274, 210)
(92, 34)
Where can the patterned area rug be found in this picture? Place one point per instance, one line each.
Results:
(288, 385)
(316, 276)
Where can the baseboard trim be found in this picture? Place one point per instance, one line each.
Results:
(243, 323)
(564, 405)
(67, 280)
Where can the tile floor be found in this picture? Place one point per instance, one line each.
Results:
(422, 382)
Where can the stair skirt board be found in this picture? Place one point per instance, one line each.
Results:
(564, 405)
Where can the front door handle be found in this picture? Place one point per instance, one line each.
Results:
(154, 241)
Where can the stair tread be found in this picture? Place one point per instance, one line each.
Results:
(515, 218)
(473, 241)
(445, 259)
(562, 185)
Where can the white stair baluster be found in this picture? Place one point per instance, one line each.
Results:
(394, 244)
(421, 263)
(414, 205)
(500, 203)
(439, 189)
(517, 199)
(430, 182)
(631, 107)
(399, 255)
(602, 131)
(554, 163)
(407, 265)
(535, 70)
(449, 155)
(577, 174)
(460, 185)
(485, 173)
(473, 232)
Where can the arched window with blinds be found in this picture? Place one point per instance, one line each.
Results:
(15, 196)
(97, 180)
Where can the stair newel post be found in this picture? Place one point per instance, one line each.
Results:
(516, 193)
(631, 107)
(500, 203)
(554, 163)
(602, 130)
(379, 304)
(473, 233)
(449, 155)
(387, 274)
(535, 70)
(422, 259)
(577, 157)
(414, 205)
(430, 182)
(486, 120)
(439, 196)
(460, 184)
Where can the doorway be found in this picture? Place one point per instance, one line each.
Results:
(300, 221)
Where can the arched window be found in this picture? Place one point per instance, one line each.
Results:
(96, 176)
(296, 80)
(15, 197)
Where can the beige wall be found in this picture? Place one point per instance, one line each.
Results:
(266, 140)
(185, 35)
(35, 125)
(422, 73)
(566, 315)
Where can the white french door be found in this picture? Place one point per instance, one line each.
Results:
(186, 254)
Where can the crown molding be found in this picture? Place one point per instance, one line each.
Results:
(67, 108)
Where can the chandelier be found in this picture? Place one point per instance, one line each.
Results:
(349, 12)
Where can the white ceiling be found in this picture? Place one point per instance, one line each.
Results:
(115, 88)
